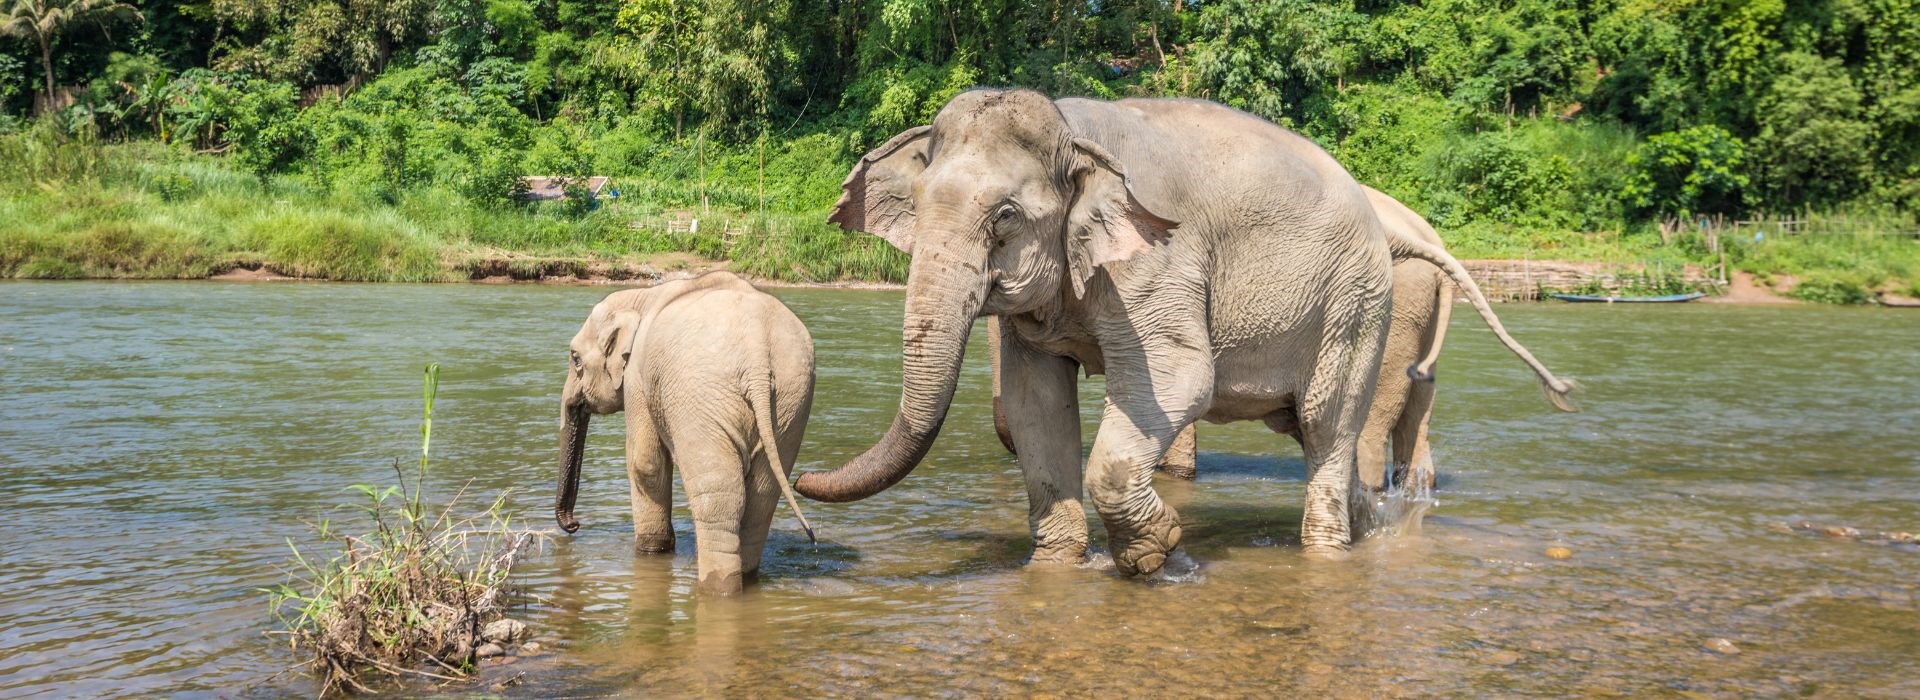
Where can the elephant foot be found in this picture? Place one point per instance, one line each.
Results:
(1328, 552)
(1145, 550)
(653, 544)
(1416, 477)
(1061, 555)
(1180, 470)
(723, 584)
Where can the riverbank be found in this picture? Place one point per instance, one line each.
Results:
(146, 211)
(1501, 280)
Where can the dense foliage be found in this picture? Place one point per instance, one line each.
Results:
(1516, 125)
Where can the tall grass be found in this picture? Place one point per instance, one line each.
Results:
(410, 595)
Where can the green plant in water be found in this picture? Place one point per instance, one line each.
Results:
(408, 597)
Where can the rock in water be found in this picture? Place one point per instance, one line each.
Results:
(1721, 645)
(504, 631)
(1561, 553)
(488, 651)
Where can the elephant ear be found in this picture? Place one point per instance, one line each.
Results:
(615, 343)
(877, 197)
(1106, 223)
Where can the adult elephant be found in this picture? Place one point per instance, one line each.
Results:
(1269, 299)
(1404, 392)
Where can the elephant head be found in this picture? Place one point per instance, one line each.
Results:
(596, 377)
(1004, 210)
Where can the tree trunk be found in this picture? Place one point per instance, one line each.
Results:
(46, 62)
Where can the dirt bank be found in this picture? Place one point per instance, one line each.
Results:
(1742, 289)
(1502, 280)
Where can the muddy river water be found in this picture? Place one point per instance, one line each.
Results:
(160, 441)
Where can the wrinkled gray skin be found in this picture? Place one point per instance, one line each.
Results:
(1211, 264)
(705, 369)
(1403, 395)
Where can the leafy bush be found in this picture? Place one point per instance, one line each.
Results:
(1699, 170)
(1835, 288)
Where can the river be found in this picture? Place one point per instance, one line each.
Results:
(160, 442)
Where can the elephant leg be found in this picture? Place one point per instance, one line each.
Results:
(713, 468)
(1412, 459)
(1182, 460)
(763, 496)
(1389, 399)
(1332, 416)
(1042, 409)
(1148, 404)
(650, 482)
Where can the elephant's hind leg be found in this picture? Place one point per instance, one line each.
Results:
(650, 482)
(763, 497)
(1412, 459)
(1182, 460)
(713, 467)
(1332, 416)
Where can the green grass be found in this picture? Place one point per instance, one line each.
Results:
(141, 210)
(82, 209)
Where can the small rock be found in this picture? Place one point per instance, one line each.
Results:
(1504, 657)
(530, 648)
(1779, 527)
(1903, 537)
(489, 650)
(1839, 531)
(1561, 553)
(505, 660)
(1721, 645)
(504, 631)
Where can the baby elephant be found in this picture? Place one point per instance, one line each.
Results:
(714, 376)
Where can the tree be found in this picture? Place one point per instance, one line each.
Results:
(46, 20)
(1814, 133)
(1692, 171)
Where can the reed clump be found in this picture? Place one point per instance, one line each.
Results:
(410, 595)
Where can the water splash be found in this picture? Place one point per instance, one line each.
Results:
(1397, 510)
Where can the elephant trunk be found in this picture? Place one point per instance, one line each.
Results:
(944, 293)
(573, 442)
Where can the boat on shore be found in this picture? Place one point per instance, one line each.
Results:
(1663, 299)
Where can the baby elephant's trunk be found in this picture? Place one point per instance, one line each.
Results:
(573, 441)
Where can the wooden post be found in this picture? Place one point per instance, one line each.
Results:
(700, 146)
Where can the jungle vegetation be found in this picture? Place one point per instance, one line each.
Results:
(382, 139)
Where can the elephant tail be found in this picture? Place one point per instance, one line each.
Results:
(1422, 371)
(1557, 390)
(760, 397)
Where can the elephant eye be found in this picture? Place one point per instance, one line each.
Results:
(575, 357)
(1003, 220)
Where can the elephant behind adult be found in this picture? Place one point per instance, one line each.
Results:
(1269, 299)
(1403, 396)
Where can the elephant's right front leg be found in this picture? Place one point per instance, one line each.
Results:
(1041, 403)
(650, 478)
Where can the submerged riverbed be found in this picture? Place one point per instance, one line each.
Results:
(160, 441)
